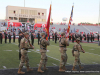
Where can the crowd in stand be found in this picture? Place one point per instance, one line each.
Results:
(84, 37)
(90, 37)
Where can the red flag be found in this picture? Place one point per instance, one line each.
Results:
(48, 24)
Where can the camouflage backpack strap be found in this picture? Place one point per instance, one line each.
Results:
(60, 40)
(41, 41)
(62, 43)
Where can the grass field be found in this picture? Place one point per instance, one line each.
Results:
(9, 56)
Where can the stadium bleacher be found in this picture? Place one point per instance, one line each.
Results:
(86, 29)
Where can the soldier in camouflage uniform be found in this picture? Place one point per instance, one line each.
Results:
(77, 48)
(43, 50)
(24, 46)
(63, 43)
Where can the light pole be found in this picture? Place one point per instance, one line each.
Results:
(24, 3)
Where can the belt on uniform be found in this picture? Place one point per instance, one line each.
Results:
(62, 46)
(25, 48)
(43, 48)
(75, 50)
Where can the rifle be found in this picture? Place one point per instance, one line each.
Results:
(26, 38)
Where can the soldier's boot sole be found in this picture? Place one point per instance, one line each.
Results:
(40, 71)
(81, 68)
(20, 72)
(74, 69)
(64, 68)
(29, 70)
(61, 70)
(45, 69)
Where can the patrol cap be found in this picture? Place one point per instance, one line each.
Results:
(62, 33)
(42, 34)
(26, 33)
(77, 39)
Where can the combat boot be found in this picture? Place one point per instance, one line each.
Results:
(29, 70)
(74, 69)
(61, 70)
(20, 72)
(80, 67)
(45, 68)
(39, 70)
(64, 68)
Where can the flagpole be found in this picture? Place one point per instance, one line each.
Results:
(51, 12)
(24, 3)
(99, 13)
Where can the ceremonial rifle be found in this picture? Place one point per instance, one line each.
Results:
(26, 38)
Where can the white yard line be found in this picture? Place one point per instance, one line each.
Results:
(92, 53)
(85, 52)
(69, 63)
(54, 64)
(4, 67)
(83, 63)
(91, 49)
(14, 43)
(7, 50)
(53, 58)
(94, 62)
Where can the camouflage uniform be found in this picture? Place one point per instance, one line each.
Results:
(43, 50)
(63, 43)
(77, 50)
(24, 46)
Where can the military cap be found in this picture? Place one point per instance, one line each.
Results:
(26, 33)
(42, 34)
(78, 39)
(62, 33)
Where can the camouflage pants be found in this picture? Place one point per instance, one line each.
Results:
(24, 59)
(63, 59)
(43, 59)
(77, 59)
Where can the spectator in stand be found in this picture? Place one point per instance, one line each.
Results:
(9, 36)
(69, 36)
(98, 36)
(73, 37)
(84, 35)
(1, 36)
(93, 37)
(32, 38)
(53, 36)
(88, 37)
(80, 37)
(38, 37)
(14, 36)
(56, 37)
(5, 33)
(11, 30)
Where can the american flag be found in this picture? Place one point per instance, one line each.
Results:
(70, 20)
